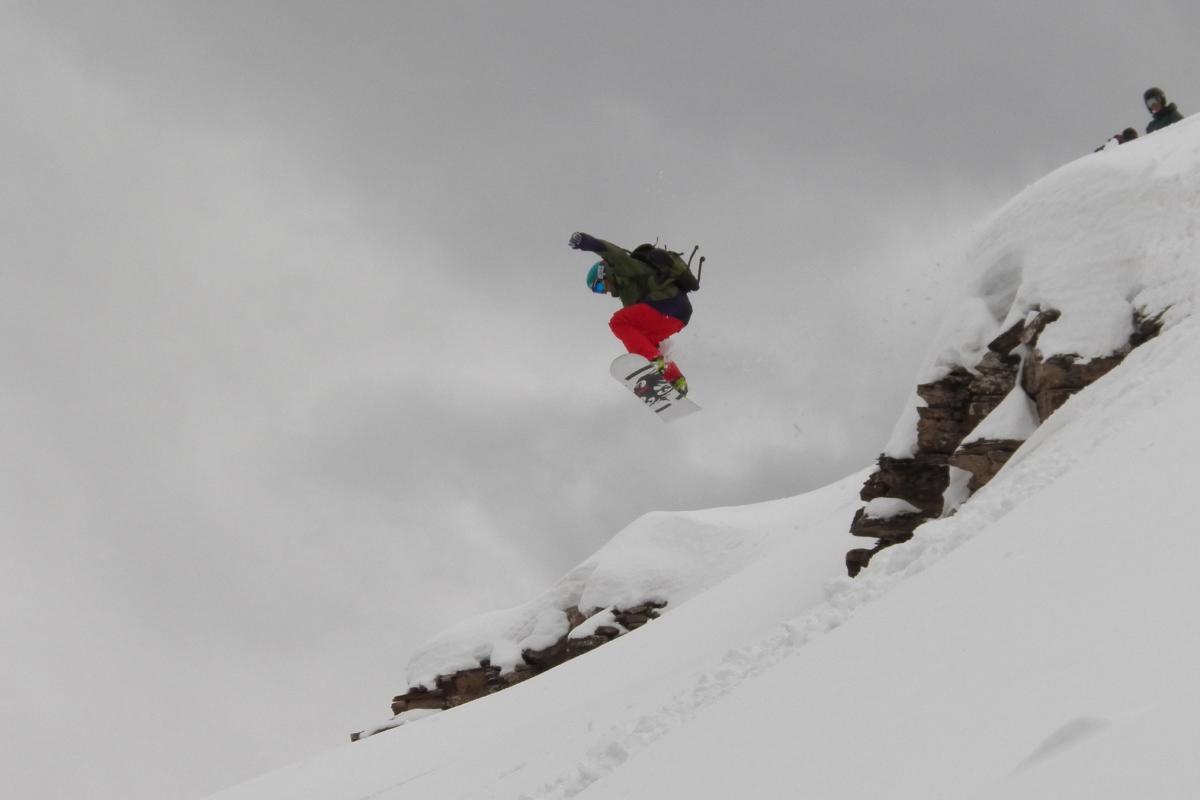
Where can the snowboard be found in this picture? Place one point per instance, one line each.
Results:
(647, 383)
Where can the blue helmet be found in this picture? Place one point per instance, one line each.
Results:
(595, 278)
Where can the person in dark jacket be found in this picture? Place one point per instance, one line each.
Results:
(1164, 113)
(654, 305)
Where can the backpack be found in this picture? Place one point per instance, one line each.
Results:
(669, 265)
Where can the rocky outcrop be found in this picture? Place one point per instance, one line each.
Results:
(892, 530)
(1051, 381)
(919, 480)
(958, 404)
(1145, 327)
(922, 479)
(983, 459)
(943, 422)
(470, 684)
(996, 375)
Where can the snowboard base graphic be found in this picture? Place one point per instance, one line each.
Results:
(647, 383)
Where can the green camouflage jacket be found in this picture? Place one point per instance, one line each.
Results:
(631, 280)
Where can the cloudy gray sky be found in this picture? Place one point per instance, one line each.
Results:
(297, 368)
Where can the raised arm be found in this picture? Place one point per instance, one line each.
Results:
(617, 258)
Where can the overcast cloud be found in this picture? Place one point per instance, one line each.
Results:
(298, 369)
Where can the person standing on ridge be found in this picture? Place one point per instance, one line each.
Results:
(1164, 114)
(652, 285)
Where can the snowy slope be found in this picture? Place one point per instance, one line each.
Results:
(1062, 623)
(664, 557)
(1039, 643)
(647, 664)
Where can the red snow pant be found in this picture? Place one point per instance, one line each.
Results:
(642, 328)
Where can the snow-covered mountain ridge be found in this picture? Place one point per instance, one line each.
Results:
(1035, 643)
(1072, 276)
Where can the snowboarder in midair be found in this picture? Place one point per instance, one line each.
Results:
(653, 286)
(1164, 113)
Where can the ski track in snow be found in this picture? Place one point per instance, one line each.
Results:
(1030, 471)
(1074, 732)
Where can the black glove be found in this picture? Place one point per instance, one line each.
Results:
(581, 241)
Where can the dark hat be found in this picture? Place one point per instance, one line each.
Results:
(1154, 91)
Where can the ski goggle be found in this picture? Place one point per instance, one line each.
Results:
(1154, 103)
